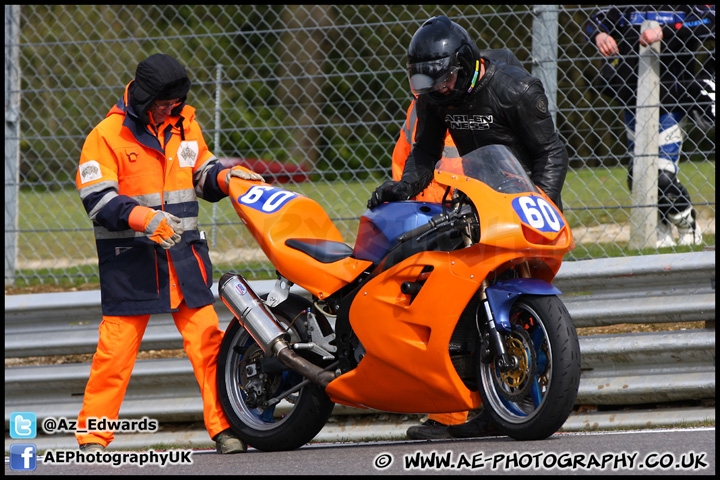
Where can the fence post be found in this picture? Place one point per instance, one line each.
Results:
(544, 52)
(643, 216)
(12, 138)
(216, 150)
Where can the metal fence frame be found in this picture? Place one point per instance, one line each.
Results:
(542, 43)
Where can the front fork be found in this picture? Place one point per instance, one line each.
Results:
(505, 362)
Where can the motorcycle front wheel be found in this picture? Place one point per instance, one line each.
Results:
(534, 398)
(250, 386)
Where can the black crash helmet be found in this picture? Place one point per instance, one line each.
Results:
(440, 48)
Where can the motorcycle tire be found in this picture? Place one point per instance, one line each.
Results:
(532, 400)
(243, 385)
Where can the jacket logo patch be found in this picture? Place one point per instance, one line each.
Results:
(542, 105)
(90, 171)
(468, 122)
(188, 153)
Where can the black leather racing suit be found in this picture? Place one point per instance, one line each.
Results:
(508, 106)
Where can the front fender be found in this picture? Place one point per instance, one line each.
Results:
(503, 294)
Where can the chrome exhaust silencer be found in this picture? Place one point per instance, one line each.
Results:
(262, 325)
(252, 313)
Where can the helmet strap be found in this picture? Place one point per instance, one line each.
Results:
(477, 72)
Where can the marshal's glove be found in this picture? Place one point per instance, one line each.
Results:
(390, 191)
(244, 175)
(163, 228)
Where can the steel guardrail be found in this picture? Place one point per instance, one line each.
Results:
(618, 369)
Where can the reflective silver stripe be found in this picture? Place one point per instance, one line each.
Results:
(181, 196)
(86, 191)
(102, 233)
(200, 175)
(97, 187)
(189, 223)
(409, 125)
(148, 200)
(156, 199)
(450, 152)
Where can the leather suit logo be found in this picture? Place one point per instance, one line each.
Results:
(468, 122)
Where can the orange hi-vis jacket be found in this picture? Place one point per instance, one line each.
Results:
(123, 165)
(434, 192)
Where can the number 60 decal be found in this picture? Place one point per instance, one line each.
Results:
(538, 213)
(265, 198)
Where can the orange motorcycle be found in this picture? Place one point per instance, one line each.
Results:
(437, 308)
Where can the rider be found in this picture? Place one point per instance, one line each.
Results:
(481, 101)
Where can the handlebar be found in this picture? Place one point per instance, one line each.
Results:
(441, 221)
(434, 222)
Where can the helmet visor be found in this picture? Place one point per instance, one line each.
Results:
(433, 75)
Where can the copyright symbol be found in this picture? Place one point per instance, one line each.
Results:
(49, 425)
(384, 460)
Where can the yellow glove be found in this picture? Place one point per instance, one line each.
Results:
(162, 228)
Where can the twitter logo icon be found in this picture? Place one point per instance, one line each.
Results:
(23, 425)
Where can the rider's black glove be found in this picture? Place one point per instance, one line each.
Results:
(390, 191)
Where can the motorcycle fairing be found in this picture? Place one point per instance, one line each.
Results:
(275, 216)
(406, 347)
(541, 231)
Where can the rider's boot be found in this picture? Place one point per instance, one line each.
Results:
(480, 426)
(688, 228)
(429, 430)
(664, 234)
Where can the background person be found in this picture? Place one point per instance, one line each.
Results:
(434, 192)
(616, 33)
(141, 171)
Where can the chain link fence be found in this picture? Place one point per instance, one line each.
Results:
(315, 92)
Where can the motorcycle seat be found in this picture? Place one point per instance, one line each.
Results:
(324, 251)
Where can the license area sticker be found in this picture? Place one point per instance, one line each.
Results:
(538, 213)
(265, 198)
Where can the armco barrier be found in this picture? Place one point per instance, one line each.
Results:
(619, 369)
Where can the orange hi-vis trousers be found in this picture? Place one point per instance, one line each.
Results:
(115, 356)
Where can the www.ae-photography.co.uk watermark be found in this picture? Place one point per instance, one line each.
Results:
(524, 461)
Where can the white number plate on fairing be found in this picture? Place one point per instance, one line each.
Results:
(265, 198)
(538, 213)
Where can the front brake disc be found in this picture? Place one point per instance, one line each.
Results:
(515, 384)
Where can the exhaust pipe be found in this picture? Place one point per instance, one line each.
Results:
(262, 325)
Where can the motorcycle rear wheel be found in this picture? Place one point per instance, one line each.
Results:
(534, 399)
(240, 378)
